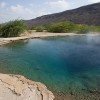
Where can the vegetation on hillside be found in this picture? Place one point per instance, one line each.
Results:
(82, 28)
(17, 27)
(12, 28)
(40, 29)
(95, 28)
(64, 27)
(89, 14)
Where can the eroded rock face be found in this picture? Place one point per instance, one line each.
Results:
(16, 87)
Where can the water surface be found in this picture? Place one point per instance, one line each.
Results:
(68, 65)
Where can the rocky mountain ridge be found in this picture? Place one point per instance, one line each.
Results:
(89, 14)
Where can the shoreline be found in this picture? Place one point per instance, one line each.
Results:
(58, 95)
(32, 36)
(38, 35)
(17, 87)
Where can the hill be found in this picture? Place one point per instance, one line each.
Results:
(89, 14)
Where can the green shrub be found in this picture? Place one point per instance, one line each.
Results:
(13, 28)
(62, 27)
(95, 28)
(82, 28)
(33, 28)
(0, 28)
(39, 29)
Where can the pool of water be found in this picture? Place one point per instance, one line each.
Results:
(68, 65)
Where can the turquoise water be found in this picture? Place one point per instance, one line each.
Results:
(66, 64)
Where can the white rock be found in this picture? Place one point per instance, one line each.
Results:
(16, 87)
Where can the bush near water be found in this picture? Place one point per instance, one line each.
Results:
(40, 29)
(12, 28)
(62, 27)
(65, 27)
(17, 27)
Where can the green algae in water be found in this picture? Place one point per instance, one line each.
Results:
(67, 65)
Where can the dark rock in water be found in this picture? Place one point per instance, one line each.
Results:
(71, 93)
(94, 91)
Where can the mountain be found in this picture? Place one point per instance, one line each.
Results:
(89, 14)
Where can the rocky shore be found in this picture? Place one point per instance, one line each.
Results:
(32, 35)
(16, 87)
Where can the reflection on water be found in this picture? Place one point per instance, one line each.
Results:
(69, 66)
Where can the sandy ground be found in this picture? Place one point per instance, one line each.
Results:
(38, 35)
(16, 87)
(32, 35)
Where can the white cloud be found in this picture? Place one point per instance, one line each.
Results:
(20, 9)
(93, 1)
(2, 4)
(59, 4)
(22, 12)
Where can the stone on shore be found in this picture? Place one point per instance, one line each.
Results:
(16, 87)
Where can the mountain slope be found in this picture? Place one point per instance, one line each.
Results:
(89, 14)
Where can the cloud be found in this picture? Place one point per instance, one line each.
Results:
(22, 12)
(20, 9)
(93, 1)
(2, 4)
(59, 4)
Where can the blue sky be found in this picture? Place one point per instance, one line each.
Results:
(29, 9)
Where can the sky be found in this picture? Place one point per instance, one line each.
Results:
(29, 9)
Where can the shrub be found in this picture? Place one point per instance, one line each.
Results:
(39, 29)
(0, 28)
(82, 28)
(95, 28)
(13, 28)
(62, 27)
(33, 28)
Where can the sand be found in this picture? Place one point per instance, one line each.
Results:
(30, 35)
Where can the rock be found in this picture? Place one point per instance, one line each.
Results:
(16, 87)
